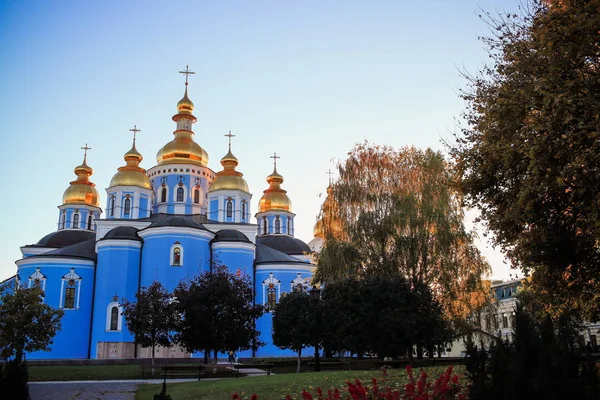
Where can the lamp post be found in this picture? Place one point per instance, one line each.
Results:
(315, 296)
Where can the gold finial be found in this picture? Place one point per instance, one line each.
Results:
(187, 73)
(274, 157)
(330, 175)
(230, 135)
(85, 149)
(135, 130)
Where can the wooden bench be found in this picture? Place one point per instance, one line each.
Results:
(326, 365)
(237, 367)
(183, 371)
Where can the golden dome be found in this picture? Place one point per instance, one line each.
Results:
(81, 190)
(328, 219)
(182, 149)
(274, 198)
(318, 229)
(229, 178)
(131, 174)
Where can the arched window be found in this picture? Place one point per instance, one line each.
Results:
(163, 195)
(70, 289)
(180, 192)
(271, 298)
(196, 196)
(63, 220)
(229, 208)
(277, 225)
(76, 220)
(114, 318)
(271, 291)
(176, 255)
(264, 225)
(289, 225)
(127, 208)
(112, 206)
(89, 222)
(244, 210)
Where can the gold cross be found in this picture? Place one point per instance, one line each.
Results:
(85, 149)
(330, 174)
(187, 73)
(274, 157)
(135, 130)
(229, 135)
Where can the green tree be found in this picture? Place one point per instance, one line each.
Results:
(151, 318)
(528, 153)
(398, 215)
(27, 324)
(217, 313)
(294, 323)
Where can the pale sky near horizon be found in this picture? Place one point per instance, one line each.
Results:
(305, 79)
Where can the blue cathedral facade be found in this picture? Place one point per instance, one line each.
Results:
(173, 221)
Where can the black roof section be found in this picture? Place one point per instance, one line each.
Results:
(266, 254)
(182, 221)
(65, 237)
(123, 232)
(85, 249)
(285, 244)
(230, 235)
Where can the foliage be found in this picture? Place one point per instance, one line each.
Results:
(398, 215)
(294, 323)
(13, 380)
(384, 316)
(217, 312)
(528, 154)
(542, 362)
(27, 324)
(151, 318)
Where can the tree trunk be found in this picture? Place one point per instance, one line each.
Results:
(206, 356)
(153, 346)
(299, 358)
(19, 356)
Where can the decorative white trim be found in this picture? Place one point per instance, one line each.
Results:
(276, 283)
(303, 282)
(172, 255)
(37, 276)
(41, 259)
(105, 225)
(109, 317)
(118, 244)
(280, 267)
(245, 246)
(177, 231)
(71, 276)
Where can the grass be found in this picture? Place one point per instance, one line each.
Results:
(275, 387)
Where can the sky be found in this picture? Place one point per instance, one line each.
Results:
(305, 79)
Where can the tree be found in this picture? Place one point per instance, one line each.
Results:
(528, 153)
(151, 318)
(397, 215)
(27, 324)
(294, 323)
(217, 313)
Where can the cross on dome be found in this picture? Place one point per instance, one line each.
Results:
(274, 157)
(230, 135)
(187, 73)
(135, 130)
(85, 149)
(330, 175)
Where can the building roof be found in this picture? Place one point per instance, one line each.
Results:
(266, 254)
(123, 232)
(85, 250)
(230, 235)
(284, 243)
(65, 237)
(176, 221)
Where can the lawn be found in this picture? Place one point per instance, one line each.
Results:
(275, 387)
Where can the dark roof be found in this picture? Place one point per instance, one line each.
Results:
(123, 232)
(284, 243)
(230, 235)
(65, 237)
(85, 249)
(266, 254)
(176, 220)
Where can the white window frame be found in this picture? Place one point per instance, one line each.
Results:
(271, 280)
(37, 275)
(299, 280)
(185, 194)
(109, 316)
(171, 255)
(70, 276)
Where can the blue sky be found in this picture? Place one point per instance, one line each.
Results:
(305, 79)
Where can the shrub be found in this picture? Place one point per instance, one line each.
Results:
(13, 380)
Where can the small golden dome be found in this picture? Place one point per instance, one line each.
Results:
(318, 229)
(274, 198)
(229, 178)
(185, 105)
(81, 190)
(131, 174)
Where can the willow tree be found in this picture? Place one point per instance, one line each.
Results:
(396, 214)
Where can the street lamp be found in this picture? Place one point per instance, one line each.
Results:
(315, 296)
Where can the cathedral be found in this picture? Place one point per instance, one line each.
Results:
(170, 222)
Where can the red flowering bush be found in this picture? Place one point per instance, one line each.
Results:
(446, 387)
